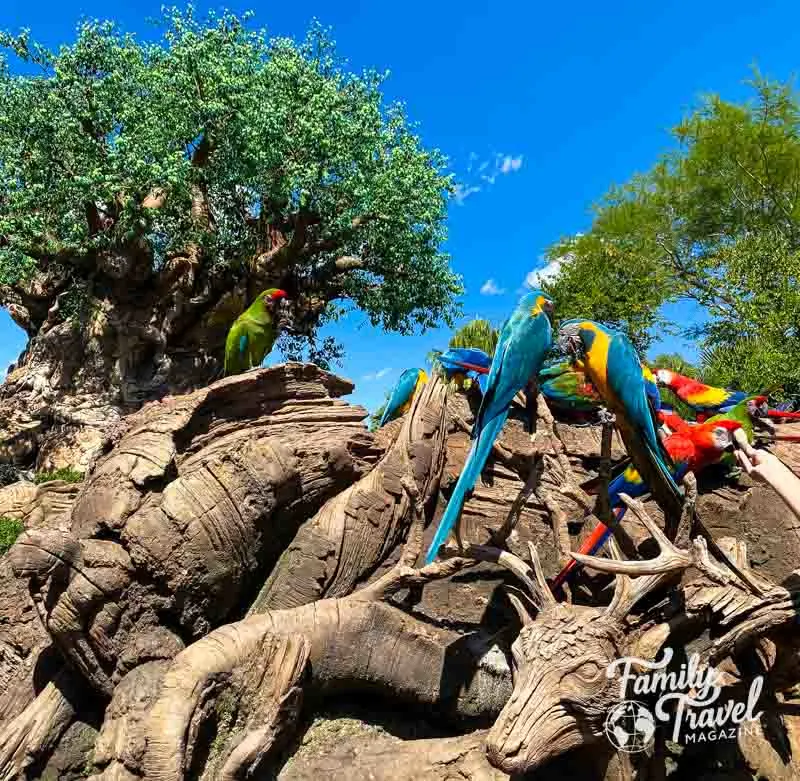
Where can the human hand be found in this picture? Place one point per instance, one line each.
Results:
(761, 465)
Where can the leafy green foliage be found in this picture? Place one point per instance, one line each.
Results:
(10, 529)
(604, 279)
(220, 141)
(477, 333)
(717, 221)
(66, 474)
(675, 362)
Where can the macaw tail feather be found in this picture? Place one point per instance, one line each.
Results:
(473, 466)
(591, 545)
(385, 417)
(667, 479)
(655, 468)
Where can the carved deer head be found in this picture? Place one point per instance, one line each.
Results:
(562, 693)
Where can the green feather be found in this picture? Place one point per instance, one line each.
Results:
(251, 337)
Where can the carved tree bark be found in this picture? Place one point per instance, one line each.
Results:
(269, 478)
(353, 532)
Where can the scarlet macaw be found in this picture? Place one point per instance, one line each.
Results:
(743, 414)
(253, 333)
(691, 448)
(524, 341)
(703, 399)
(411, 380)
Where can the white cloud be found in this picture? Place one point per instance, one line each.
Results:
(485, 174)
(535, 278)
(510, 164)
(463, 191)
(378, 375)
(490, 288)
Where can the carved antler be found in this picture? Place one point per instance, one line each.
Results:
(670, 561)
(530, 575)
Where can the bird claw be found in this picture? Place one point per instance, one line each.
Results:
(606, 416)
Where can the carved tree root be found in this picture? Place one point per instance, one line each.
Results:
(196, 498)
(259, 672)
(399, 656)
(36, 730)
(353, 532)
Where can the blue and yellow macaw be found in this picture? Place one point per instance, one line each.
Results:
(614, 368)
(651, 388)
(411, 380)
(524, 341)
(460, 363)
(567, 388)
(616, 371)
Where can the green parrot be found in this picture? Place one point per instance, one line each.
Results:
(252, 335)
(743, 413)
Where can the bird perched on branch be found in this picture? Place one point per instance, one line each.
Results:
(524, 341)
(691, 449)
(459, 363)
(253, 333)
(566, 387)
(704, 400)
(742, 413)
(614, 368)
(411, 380)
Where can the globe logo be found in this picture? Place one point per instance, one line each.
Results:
(630, 726)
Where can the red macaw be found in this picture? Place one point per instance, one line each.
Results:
(703, 399)
(691, 448)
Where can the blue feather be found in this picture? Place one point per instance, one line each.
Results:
(454, 356)
(476, 459)
(243, 343)
(401, 393)
(524, 341)
(626, 381)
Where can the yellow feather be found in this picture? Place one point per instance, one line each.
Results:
(596, 361)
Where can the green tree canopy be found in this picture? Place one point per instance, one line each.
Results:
(206, 165)
(676, 362)
(717, 221)
(477, 333)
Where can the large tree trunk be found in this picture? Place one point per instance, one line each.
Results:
(100, 348)
(114, 328)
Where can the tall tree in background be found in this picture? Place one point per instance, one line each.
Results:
(715, 221)
(477, 333)
(149, 190)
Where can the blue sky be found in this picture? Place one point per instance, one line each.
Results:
(558, 99)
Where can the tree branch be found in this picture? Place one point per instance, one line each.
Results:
(348, 263)
(695, 279)
(336, 240)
